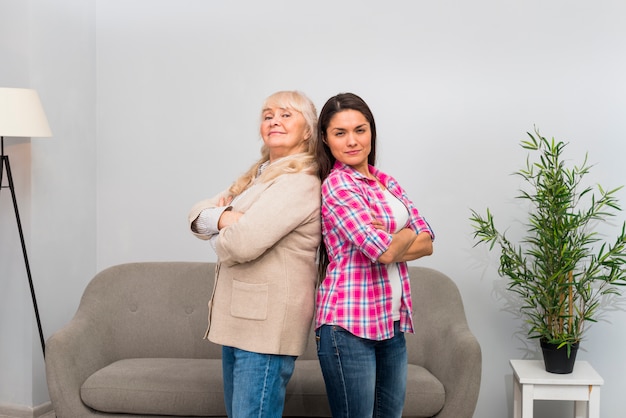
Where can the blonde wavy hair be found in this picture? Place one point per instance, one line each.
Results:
(304, 161)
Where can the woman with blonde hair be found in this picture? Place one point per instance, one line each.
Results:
(265, 230)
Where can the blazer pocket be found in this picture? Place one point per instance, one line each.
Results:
(249, 301)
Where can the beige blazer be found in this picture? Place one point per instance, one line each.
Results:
(263, 299)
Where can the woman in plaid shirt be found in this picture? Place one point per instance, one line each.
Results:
(370, 230)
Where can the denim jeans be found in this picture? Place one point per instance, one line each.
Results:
(254, 383)
(364, 378)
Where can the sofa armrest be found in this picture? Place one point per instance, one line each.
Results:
(443, 342)
(74, 353)
(457, 363)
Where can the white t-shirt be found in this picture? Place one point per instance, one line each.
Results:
(401, 214)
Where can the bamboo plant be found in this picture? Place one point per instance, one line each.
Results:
(561, 268)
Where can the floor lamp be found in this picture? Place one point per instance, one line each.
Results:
(21, 115)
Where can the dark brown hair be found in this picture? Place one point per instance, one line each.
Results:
(325, 158)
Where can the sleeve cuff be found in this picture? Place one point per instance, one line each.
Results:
(206, 222)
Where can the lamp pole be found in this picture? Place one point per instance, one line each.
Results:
(4, 165)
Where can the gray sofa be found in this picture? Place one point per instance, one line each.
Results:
(135, 347)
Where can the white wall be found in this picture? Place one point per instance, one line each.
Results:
(16, 331)
(177, 85)
(49, 46)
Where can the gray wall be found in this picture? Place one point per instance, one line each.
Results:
(154, 105)
(49, 46)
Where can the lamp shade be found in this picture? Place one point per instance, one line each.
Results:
(21, 114)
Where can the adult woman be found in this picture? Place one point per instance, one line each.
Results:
(370, 229)
(265, 230)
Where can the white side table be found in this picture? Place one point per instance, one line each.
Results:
(531, 381)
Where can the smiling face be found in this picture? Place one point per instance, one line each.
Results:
(284, 131)
(349, 138)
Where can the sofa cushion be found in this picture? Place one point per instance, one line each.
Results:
(193, 387)
(306, 393)
(159, 386)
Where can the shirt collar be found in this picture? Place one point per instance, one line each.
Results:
(356, 174)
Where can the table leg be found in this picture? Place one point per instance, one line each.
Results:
(594, 401)
(580, 409)
(528, 395)
(517, 394)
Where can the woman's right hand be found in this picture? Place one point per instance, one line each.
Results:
(225, 201)
(377, 224)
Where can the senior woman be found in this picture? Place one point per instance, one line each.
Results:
(265, 230)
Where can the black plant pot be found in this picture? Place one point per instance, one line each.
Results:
(556, 359)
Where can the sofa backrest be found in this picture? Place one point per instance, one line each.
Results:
(152, 309)
(159, 309)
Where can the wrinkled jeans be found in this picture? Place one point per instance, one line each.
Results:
(254, 383)
(364, 378)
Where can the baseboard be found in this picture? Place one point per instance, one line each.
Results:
(19, 411)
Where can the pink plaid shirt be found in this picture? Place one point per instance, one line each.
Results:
(356, 294)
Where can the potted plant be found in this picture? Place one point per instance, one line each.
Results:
(561, 268)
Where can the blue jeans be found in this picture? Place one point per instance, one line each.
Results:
(254, 383)
(364, 378)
